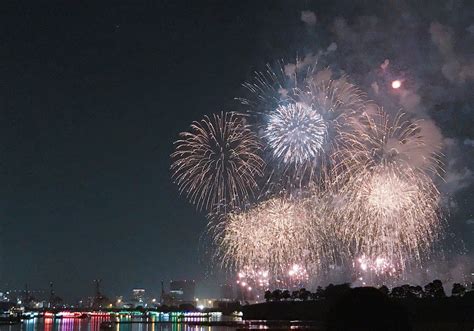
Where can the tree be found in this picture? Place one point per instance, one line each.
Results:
(435, 289)
(268, 295)
(295, 295)
(286, 295)
(303, 294)
(458, 290)
(384, 289)
(398, 292)
(320, 293)
(276, 295)
(337, 291)
(408, 291)
(313, 296)
(417, 291)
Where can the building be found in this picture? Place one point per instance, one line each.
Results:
(138, 295)
(182, 291)
(201, 303)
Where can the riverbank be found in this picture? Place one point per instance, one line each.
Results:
(368, 307)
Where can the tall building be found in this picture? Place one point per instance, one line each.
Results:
(182, 291)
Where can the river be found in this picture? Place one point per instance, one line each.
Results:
(122, 324)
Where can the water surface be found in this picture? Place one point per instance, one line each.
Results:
(93, 324)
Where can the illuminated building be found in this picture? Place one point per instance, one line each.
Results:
(182, 291)
(202, 303)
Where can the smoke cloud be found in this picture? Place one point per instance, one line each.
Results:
(430, 51)
(308, 17)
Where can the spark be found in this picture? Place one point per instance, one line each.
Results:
(257, 278)
(379, 265)
(271, 236)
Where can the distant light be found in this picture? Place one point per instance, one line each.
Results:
(200, 307)
(396, 84)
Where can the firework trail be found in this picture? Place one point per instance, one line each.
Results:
(300, 115)
(389, 210)
(217, 163)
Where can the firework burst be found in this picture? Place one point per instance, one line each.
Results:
(295, 133)
(273, 236)
(301, 113)
(216, 164)
(390, 204)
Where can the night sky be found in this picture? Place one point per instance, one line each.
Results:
(93, 94)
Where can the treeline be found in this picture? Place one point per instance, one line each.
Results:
(433, 289)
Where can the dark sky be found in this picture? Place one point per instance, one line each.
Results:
(92, 95)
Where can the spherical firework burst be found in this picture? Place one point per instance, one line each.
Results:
(390, 207)
(272, 236)
(216, 164)
(301, 113)
(295, 133)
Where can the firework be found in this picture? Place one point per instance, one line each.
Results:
(297, 277)
(250, 278)
(390, 204)
(272, 236)
(301, 113)
(295, 133)
(340, 182)
(216, 164)
(379, 265)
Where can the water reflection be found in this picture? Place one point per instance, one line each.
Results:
(159, 323)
